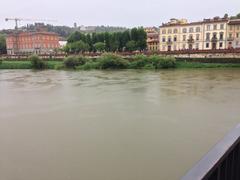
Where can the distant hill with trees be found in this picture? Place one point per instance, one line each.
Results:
(65, 31)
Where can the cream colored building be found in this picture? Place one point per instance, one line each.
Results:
(180, 35)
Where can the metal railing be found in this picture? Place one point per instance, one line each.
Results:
(222, 162)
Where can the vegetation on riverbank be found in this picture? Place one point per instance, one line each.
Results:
(110, 61)
(26, 64)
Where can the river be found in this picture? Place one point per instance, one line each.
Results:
(112, 125)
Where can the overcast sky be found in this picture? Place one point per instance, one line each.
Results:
(127, 13)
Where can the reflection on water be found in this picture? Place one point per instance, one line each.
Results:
(112, 125)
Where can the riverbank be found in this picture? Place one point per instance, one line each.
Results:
(59, 65)
(26, 64)
(113, 61)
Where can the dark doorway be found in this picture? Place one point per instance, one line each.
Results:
(214, 45)
(190, 46)
(169, 48)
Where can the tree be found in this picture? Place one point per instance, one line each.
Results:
(2, 44)
(78, 46)
(131, 46)
(99, 46)
(134, 39)
(238, 16)
(76, 36)
(226, 16)
(141, 40)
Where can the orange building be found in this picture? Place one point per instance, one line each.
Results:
(32, 42)
(152, 39)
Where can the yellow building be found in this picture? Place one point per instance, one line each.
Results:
(233, 36)
(180, 35)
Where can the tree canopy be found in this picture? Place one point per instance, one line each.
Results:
(2, 44)
(131, 40)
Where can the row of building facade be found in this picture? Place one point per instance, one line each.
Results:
(216, 33)
(32, 42)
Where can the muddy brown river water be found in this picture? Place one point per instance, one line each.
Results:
(112, 125)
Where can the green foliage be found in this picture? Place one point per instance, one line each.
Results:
(152, 62)
(110, 42)
(112, 61)
(74, 61)
(195, 65)
(2, 44)
(89, 65)
(235, 17)
(37, 63)
(138, 62)
(131, 46)
(99, 46)
(167, 62)
(76, 47)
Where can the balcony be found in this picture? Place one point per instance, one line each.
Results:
(214, 39)
(190, 40)
(222, 162)
(230, 39)
(169, 42)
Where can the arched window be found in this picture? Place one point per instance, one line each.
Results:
(184, 30)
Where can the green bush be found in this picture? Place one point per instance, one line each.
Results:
(167, 62)
(160, 62)
(89, 65)
(138, 62)
(74, 61)
(37, 63)
(112, 61)
(1, 61)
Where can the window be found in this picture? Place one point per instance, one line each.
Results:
(237, 35)
(198, 29)
(220, 44)
(175, 31)
(238, 27)
(169, 31)
(175, 39)
(191, 30)
(215, 27)
(164, 31)
(214, 35)
(184, 37)
(184, 46)
(184, 30)
(174, 47)
(221, 35)
(207, 45)
(169, 39)
(208, 36)
(221, 26)
(190, 36)
(197, 46)
(163, 39)
(163, 48)
(197, 37)
(208, 27)
(230, 35)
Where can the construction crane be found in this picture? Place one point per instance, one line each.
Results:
(22, 19)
